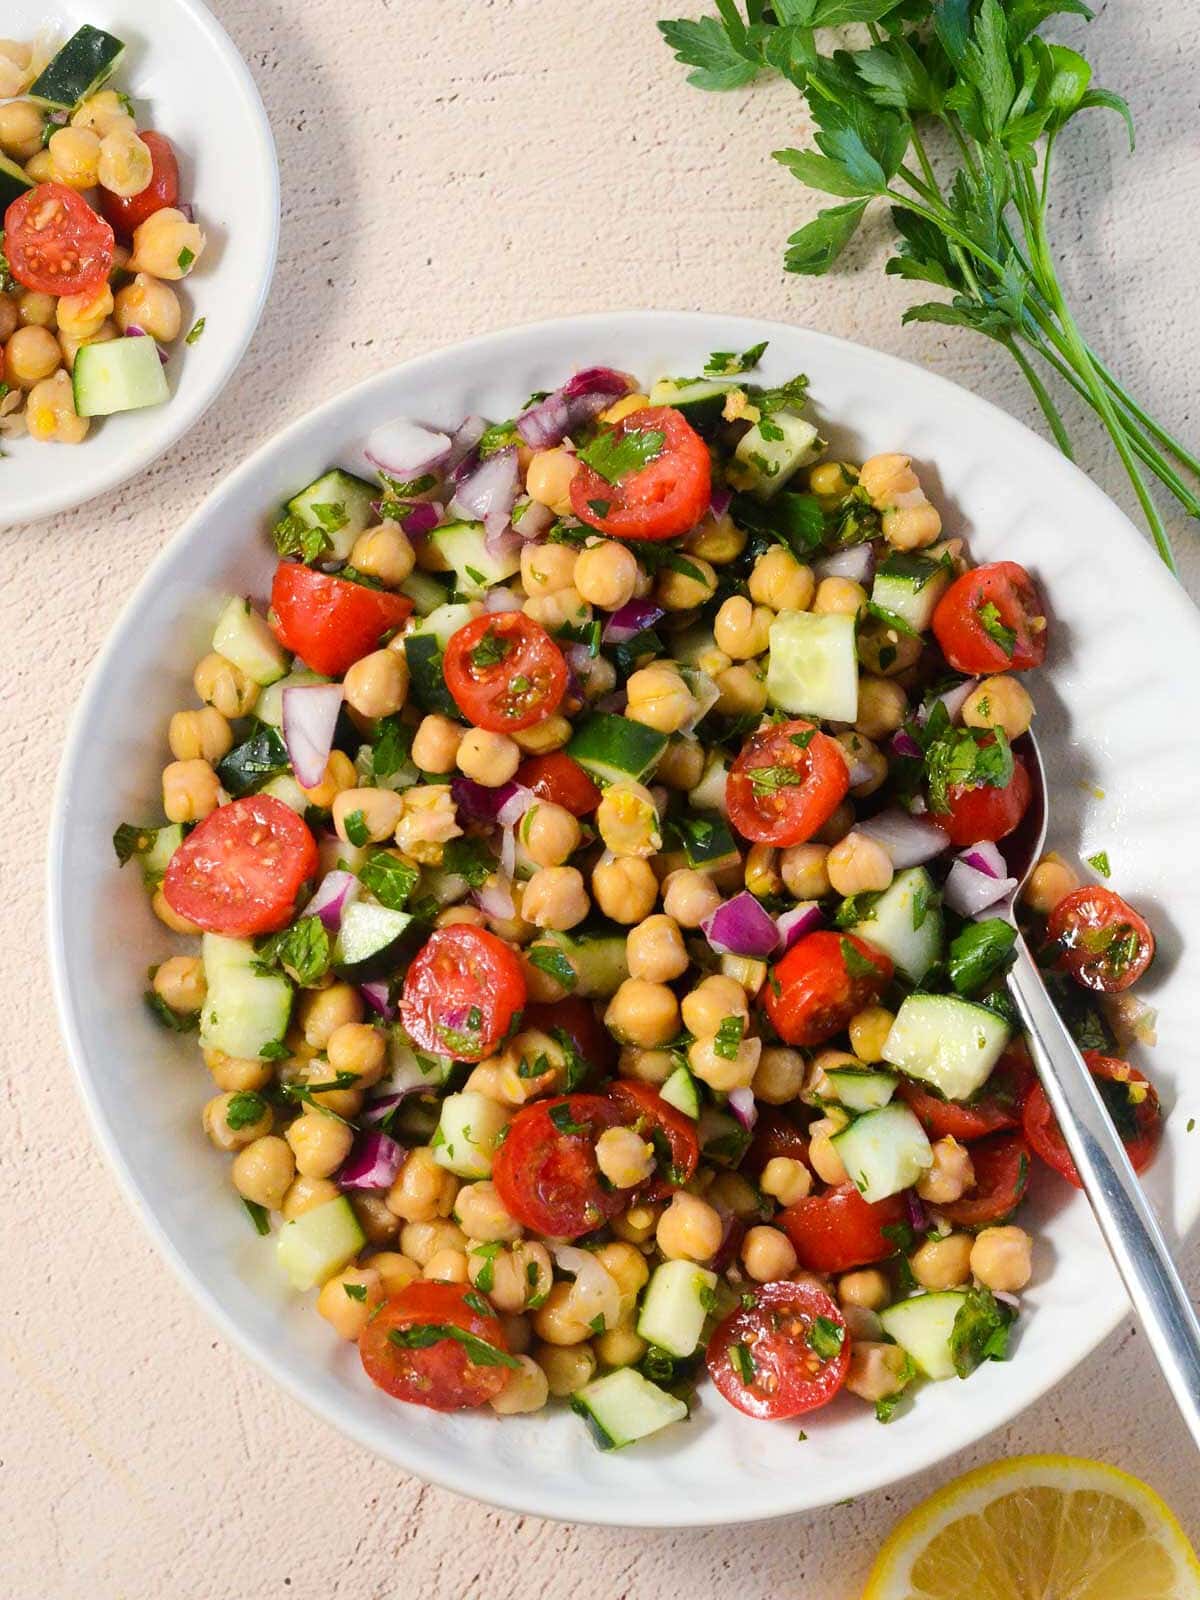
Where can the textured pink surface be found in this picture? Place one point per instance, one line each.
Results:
(447, 170)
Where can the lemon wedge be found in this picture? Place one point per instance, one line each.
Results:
(1038, 1528)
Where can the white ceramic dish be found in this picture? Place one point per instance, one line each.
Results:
(187, 80)
(1123, 758)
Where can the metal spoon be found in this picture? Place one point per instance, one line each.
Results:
(1129, 1226)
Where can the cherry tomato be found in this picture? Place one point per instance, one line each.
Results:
(545, 1172)
(786, 783)
(578, 1020)
(992, 620)
(445, 1374)
(239, 871)
(561, 780)
(837, 1230)
(1001, 1164)
(821, 982)
(461, 993)
(785, 1353)
(55, 242)
(775, 1134)
(1106, 944)
(329, 622)
(997, 1108)
(659, 500)
(644, 1109)
(505, 672)
(985, 811)
(127, 212)
(1132, 1104)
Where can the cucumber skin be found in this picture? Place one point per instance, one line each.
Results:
(913, 1020)
(87, 60)
(931, 1355)
(625, 1392)
(912, 950)
(614, 749)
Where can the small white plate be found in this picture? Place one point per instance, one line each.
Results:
(1122, 751)
(187, 80)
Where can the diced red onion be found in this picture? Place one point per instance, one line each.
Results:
(1007, 1298)
(481, 803)
(488, 493)
(517, 801)
(908, 840)
(801, 919)
(463, 441)
(969, 891)
(405, 449)
(631, 619)
(494, 899)
(500, 599)
(376, 996)
(59, 119)
(188, 209)
(580, 400)
(720, 502)
(861, 770)
(856, 563)
(579, 659)
(546, 423)
(903, 744)
(985, 857)
(918, 1217)
(310, 714)
(741, 927)
(423, 518)
(531, 519)
(953, 699)
(742, 1104)
(508, 852)
(373, 1163)
(613, 703)
(332, 895)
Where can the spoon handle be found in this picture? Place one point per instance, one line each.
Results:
(1129, 1226)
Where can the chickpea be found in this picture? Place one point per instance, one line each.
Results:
(714, 1066)
(123, 163)
(306, 1194)
(868, 1031)
(21, 124)
(680, 590)
(263, 1171)
(832, 480)
(643, 1013)
(1000, 702)
(219, 683)
(83, 315)
(483, 1214)
(76, 156)
(37, 310)
(551, 733)
(681, 765)
(31, 355)
(421, 1241)
(1049, 882)
(768, 1254)
(627, 819)
(628, 1267)
(358, 1048)
(597, 676)
(339, 774)
(876, 1370)
(868, 1288)
(637, 1225)
(689, 897)
(460, 916)
(781, 582)
(488, 758)
(950, 1176)
(884, 651)
(518, 1334)
(624, 1157)
(909, 521)
(447, 1266)
(179, 982)
(716, 539)
(374, 1218)
(659, 698)
(171, 918)
(867, 763)
(554, 1324)
(202, 735)
(647, 1066)
(655, 950)
(1002, 1259)
(377, 685)
(862, 1324)
(786, 1180)
(344, 1102)
(103, 113)
(779, 1077)
(840, 597)
(621, 1346)
(742, 630)
(10, 317)
(882, 706)
(519, 1277)
(395, 1270)
(435, 743)
(838, 826)
(555, 897)
(553, 610)
(233, 1121)
(323, 1011)
(70, 344)
(729, 1191)
(50, 411)
(364, 816)
(943, 1263)
(606, 574)
(743, 691)
(40, 167)
(549, 833)
(319, 1143)
(762, 874)
(859, 864)
(526, 1390)
(546, 568)
(422, 1189)
(911, 527)
(822, 1152)
(346, 1313)
(689, 1229)
(540, 985)
(548, 479)
(710, 1002)
(803, 867)
(166, 245)
(190, 790)
(384, 553)
(625, 889)
(234, 1073)
(567, 1367)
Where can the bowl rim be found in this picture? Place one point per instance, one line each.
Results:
(456, 1475)
(55, 498)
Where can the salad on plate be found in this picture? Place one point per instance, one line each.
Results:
(595, 842)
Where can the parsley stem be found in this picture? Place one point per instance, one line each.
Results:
(1049, 410)
(1183, 456)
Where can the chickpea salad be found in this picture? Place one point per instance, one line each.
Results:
(593, 849)
(94, 236)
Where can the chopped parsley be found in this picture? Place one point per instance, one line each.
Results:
(132, 841)
(826, 1338)
(857, 965)
(469, 858)
(769, 780)
(803, 739)
(553, 962)
(424, 1334)
(562, 1119)
(294, 536)
(727, 363)
(1100, 863)
(485, 1278)
(356, 1291)
(176, 1021)
(995, 628)
(728, 1038)
(196, 331)
(244, 1110)
(970, 758)
(981, 1331)
(259, 1216)
(185, 258)
(356, 828)
(614, 456)
(742, 1362)
(389, 878)
(304, 950)
(393, 748)
(477, 1303)
(491, 650)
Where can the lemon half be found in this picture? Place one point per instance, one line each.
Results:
(1038, 1528)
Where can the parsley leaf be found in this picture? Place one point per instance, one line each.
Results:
(294, 536)
(244, 1110)
(996, 630)
(728, 1038)
(469, 858)
(196, 332)
(421, 1335)
(705, 46)
(259, 1216)
(769, 780)
(389, 879)
(551, 960)
(727, 364)
(491, 650)
(826, 1338)
(392, 749)
(130, 840)
(981, 1331)
(742, 1362)
(615, 456)
(560, 1116)
(304, 951)
(175, 1021)
(857, 965)
(970, 758)
(1100, 863)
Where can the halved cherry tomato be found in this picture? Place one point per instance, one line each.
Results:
(837, 1230)
(505, 672)
(1106, 944)
(786, 783)
(985, 811)
(645, 1110)
(55, 242)
(444, 1374)
(783, 1352)
(329, 622)
(1132, 1104)
(997, 1108)
(561, 780)
(992, 620)
(127, 212)
(663, 498)
(461, 993)
(821, 982)
(578, 1020)
(775, 1134)
(1001, 1164)
(545, 1172)
(239, 871)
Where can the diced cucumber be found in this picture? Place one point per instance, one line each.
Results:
(613, 748)
(242, 636)
(269, 705)
(623, 1406)
(906, 923)
(599, 960)
(723, 1140)
(469, 1126)
(709, 793)
(922, 1327)
(370, 942)
(678, 1298)
(335, 855)
(948, 1043)
(285, 788)
(708, 844)
(771, 452)
(118, 375)
(884, 1151)
(813, 665)
(423, 653)
(701, 400)
(463, 547)
(911, 586)
(329, 498)
(444, 621)
(425, 592)
(320, 1243)
(447, 888)
(162, 845)
(749, 971)
(408, 1068)
(861, 1089)
(696, 647)
(13, 183)
(683, 1092)
(87, 60)
(245, 1010)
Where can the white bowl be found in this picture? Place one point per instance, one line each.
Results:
(1123, 753)
(188, 81)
